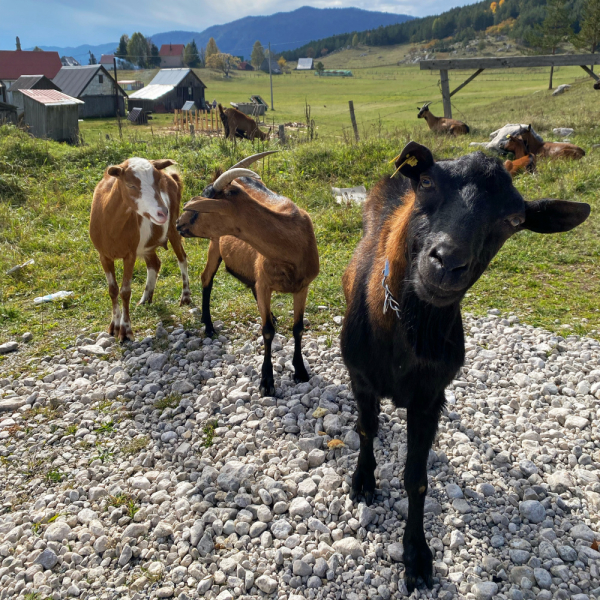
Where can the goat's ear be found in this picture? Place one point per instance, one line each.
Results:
(413, 160)
(159, 165)
(206, 205)
(554, 216)
(115, 171)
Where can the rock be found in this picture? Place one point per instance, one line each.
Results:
(576, 422)
(57, 531)
(281, 529)
(307, 487)
(485, 590)
(204, 585)
(163, 530)
(140, 483)
(348, 547)
(126, 554)
(563, 131)
(332, 425)
(532, 510)
(95, 493)
(233, 474)
(528, 468)
(134, 530)
(582, 532)
(316, 458)
(102, 544)
(8, 347)
(266, 584)
(561, 481)
(92, 350)
(301, 568)
(47, 559)
(12, 404)
(365, 515)
(299, 506)
(454, 491)
(549, 389)
(352, 440)
(561, 89)
(396, 551)
(165, 592)
(457, 539)
(182, 387)
(156, 361)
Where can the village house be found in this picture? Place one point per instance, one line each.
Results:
(275, 68)
(171, 55)
(93, 85)
(29, 82)
(51, 115)
(169, 90)
(14, 63)
(245, 66)
(305, 64)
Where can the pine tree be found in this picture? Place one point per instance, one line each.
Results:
(190, 55)
(258, 55)
(137, 49)
(93, 60)
(555, 29)
(355, 40)
(211, 48)
(589, 36)
(18, 44)
(153, 54)
(121, 51)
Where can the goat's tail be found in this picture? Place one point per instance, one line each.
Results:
(467, 128)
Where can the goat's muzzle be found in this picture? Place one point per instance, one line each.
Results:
(185, 221)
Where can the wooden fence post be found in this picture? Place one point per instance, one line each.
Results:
(353, 119)
(446, 93)
(282, 134)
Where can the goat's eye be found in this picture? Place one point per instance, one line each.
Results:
(426, 183)
(515, 221)
(131, 186)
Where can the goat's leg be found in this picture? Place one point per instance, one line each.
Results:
(113, 290)
(152, 268)
(125, 332)
(212, 264)
(175, 239)
(300, 373)
(263, 299)
(421, 430)
(273, 317)
(363, 480)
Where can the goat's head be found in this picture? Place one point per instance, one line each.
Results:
(212, 213)
(514, 144)
(464, 211)
(422, 110)
(139, 182)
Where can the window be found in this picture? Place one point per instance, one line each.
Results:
(100, 78)
(190, 91)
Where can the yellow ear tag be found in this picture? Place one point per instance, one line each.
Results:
(410, 160)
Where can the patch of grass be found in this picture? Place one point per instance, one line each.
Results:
(104, 455)
(209, 433)
(169, 401)
(71, 429)
(54, 476)
(106, 428)
(33, 468)
(123, 499)
(136, 445)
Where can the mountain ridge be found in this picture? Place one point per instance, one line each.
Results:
(285, 30)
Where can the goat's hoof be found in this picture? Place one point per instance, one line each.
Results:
(267, 387)
(209, 331)
(363, 483)
(126, 336)
(144, 301)
(417, 563)
(185, 300)
(301, 375)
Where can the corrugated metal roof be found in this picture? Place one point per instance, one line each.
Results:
(304, 63)
(74, 80)
(151, 92)
(107, 59)
(171, 50)
(170, 76)
(29, 82)
(51, 97)
(14, 63)
(8, 107)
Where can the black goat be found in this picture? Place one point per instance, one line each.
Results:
(430, 237)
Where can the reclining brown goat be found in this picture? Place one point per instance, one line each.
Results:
(266, 241)
(237, 124)
(442, 124)
(428, 237)
(551, 149)
(524, 160)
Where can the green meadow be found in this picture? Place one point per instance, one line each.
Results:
(46, 190)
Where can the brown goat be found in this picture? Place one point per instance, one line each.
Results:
(134, 210)
(237, 124)
(441, 124)
(266, 241)
(551, 149)
(524, 160)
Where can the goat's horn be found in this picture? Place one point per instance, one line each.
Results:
(230, 175)
(246, 162)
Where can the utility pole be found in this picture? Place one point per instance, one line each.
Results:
(118, 114)
(271, 76)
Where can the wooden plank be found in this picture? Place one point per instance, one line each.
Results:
(466, 81)
(509, 62)
(353, 119)
(590, 72)
(446, 93)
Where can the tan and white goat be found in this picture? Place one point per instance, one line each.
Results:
(134, 211)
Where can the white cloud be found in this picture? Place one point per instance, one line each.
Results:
(75, 22)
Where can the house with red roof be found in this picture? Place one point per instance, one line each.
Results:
(171, 55)
(14, 63)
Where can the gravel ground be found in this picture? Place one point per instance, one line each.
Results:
(157, 471)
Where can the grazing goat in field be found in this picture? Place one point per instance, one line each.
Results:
(441, 124)
(236, 123)
(266, 241)
(134, 210)
(524, 160)
(551, 149)
(427, 238)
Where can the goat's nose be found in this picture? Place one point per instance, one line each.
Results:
(449, 258)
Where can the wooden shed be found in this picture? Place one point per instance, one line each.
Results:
(52, 115)
(169, 90)
(95, 86)
(29, 82)
(8, 113)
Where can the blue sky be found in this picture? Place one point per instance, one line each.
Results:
(74, 22)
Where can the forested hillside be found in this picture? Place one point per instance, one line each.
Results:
(511, 17)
